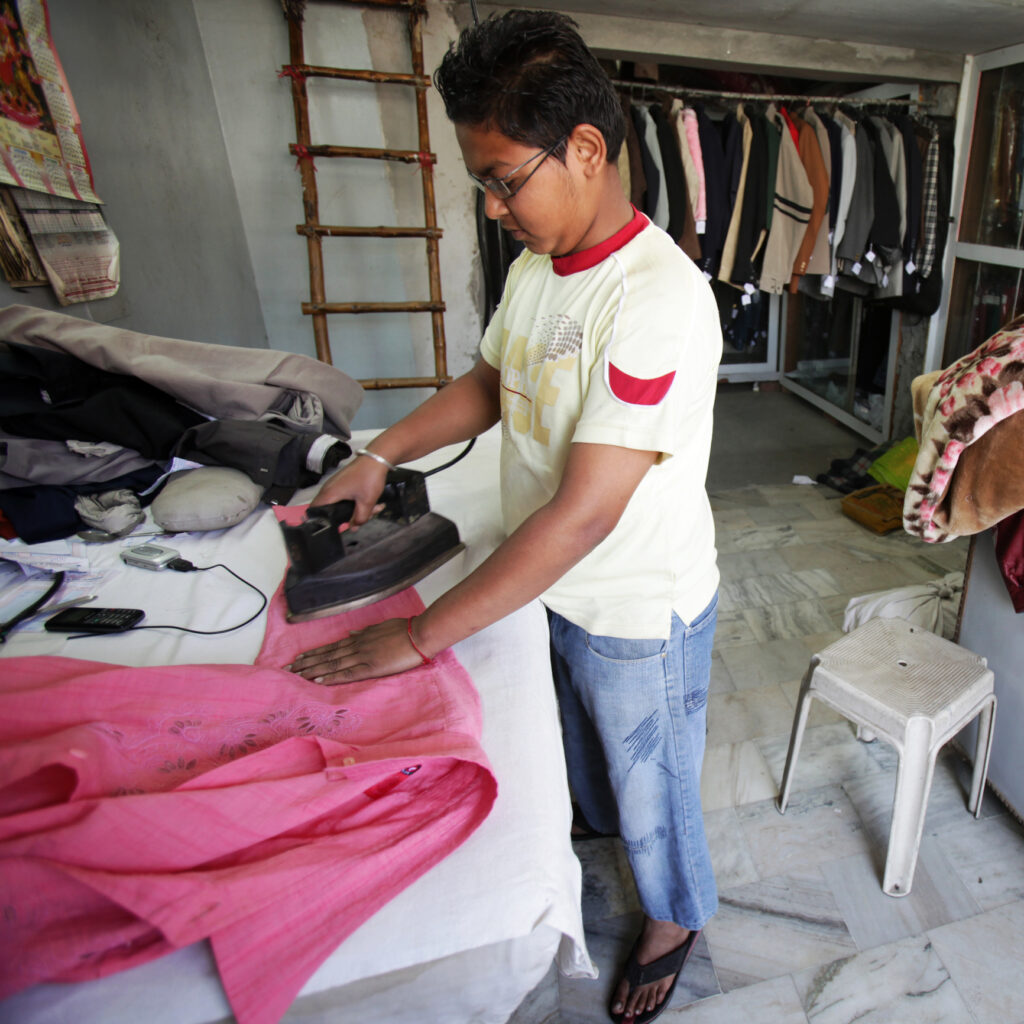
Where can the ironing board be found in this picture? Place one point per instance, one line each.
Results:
(468, 940)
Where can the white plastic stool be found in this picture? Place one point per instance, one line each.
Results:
(915, 690)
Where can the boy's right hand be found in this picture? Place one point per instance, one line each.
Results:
(361, 481)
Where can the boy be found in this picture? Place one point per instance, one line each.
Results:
(601, 364)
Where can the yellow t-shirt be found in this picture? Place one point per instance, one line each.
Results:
(617, 345)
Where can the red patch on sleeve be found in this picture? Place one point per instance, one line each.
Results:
(637, 390)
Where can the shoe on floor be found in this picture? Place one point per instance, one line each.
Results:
(645, 974)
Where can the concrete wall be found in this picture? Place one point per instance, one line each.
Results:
(187, 127)
(139, 78)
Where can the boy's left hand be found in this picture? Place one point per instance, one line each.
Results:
(380, 650)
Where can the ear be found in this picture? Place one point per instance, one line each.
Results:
(587, 146)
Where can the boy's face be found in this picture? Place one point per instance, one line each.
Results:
(547, 213)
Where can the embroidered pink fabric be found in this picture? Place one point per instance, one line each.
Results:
(145, 809)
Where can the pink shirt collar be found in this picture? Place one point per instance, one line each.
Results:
(563, 266)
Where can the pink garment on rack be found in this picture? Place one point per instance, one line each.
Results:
(142, 810)
(693, 141)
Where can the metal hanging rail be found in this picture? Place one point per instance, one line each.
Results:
(681, 90)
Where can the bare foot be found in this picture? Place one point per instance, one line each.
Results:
(657, 939)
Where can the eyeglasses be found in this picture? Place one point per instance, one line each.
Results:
(500, 186)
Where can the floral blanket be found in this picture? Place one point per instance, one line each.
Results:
(969, 473)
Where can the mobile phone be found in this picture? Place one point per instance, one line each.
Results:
(149, 556)
(94, 620)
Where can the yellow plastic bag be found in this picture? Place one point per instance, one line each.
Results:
(895, 466)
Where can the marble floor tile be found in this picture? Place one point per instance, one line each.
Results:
(759, 538)
(821, 714)
(828, 754)
(731, 629)
(904, 982)
(871, 578)
(771, 514)
(741, 564)
(721, 677)
(820, 825)
(734, 518)
(787, 621)
(872, 795)
(816, 642)
(823, 556)
(747, 714)
(734, 774)
(761, 664)
(541, 1006)
(787, 494)
(768, 1002)
(585, 1001)
(608, 887)
(826, 507)
(736, 497)
(874, 919)
(729, 854)
(988, 856)
(984, 955)
(779, 588)
(775, 927)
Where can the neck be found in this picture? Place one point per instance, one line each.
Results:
(612, 212)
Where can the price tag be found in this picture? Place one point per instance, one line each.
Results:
(856, 268)
(745, 298)
(829, 282)
(708, 276)
(885, 280)
(702, 227)
(831, 235)
(870, 256)
(910, 267)
(749, 288)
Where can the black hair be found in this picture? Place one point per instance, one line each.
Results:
(529, 75)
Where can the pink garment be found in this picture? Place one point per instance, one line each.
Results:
(145, 809)
(693, 142)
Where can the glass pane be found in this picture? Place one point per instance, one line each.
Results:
(839, 349)
(744, 325)
(982, 299)
(994, 196)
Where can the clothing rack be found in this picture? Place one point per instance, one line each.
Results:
(682, 90)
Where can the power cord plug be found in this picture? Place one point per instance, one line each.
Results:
(181, 565)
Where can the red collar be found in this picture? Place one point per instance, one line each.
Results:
(563, 266)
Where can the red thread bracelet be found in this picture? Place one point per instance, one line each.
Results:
(408, 629)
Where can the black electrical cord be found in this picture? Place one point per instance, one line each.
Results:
(183, 565)
(33, 608)
(451, 462)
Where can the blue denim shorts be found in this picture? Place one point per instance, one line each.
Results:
(634, 716)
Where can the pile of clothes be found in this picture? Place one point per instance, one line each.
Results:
(96, 422)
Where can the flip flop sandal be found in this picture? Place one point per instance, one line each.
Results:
(645, 974)
(582, 832)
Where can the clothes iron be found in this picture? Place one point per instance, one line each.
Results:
(333, 570)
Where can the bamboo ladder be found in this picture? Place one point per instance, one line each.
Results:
(303, 149)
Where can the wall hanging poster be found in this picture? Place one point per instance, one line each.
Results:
(43, 156)
(41, 145)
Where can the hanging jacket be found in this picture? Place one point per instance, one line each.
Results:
(737, 152)
(751, 234)
(792, 205)
(713, 157)
(817, 174)
(819, 261)
(637, 180)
